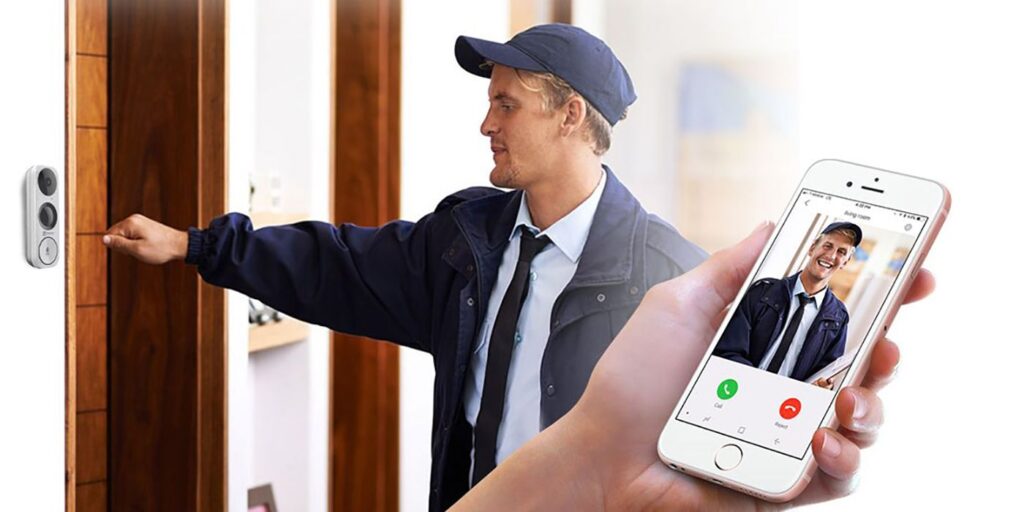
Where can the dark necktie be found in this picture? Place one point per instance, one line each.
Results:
(787, 338)
(499, 354)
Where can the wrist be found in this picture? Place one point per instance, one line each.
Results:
(180, 244)
(591, 460)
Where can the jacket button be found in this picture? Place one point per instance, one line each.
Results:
(451, 252)
(469, 268)
(469, 301)
(551, 390)
(634, 290)
(600, 297)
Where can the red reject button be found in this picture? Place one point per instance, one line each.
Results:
(790, 408)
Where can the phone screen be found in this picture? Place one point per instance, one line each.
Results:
(788, 346)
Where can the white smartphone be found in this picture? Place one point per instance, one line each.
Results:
(825, 288)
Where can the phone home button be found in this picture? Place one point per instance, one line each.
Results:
(728, 457)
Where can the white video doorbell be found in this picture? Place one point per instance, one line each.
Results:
(43, 216)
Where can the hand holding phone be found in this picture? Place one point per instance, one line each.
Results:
(825, 289)
(604, 445)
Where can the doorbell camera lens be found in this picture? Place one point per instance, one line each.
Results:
(48, 215)
(47, 182)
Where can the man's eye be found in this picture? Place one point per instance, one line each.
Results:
(506, 107)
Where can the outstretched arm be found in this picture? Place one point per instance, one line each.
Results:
(364, 281)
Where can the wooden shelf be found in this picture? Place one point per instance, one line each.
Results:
(276, 334)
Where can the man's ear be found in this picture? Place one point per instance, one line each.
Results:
(575, 112)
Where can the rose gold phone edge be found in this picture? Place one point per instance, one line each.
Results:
(929, 235)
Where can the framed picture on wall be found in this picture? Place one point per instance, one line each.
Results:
(261, 499)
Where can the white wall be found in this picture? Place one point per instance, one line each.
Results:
(32, 357)
(442, 152)
(279, 80)
(934, 88)
(921, 87)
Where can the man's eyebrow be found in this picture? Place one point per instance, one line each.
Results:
(502, 96)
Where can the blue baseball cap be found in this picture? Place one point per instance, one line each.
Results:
(568, 52)
(845, 225)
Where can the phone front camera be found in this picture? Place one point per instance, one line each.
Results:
(849, 183)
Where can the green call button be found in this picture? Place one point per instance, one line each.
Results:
(727, 389)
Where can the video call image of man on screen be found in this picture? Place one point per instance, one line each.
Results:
(795, 326)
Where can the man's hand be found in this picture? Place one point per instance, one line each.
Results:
(824, 383)
(603, 453)
(147, 240)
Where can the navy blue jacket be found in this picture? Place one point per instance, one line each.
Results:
(425, 285)
(761, 316)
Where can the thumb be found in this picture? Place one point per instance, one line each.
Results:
(718, 279)
(119, 243)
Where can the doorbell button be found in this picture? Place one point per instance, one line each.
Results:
(48, 251)
(728, 457)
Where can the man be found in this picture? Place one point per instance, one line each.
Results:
(795, 326)
(508, 291)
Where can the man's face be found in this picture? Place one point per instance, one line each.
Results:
(828, 255)
(522, 132)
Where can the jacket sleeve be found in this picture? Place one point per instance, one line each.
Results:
(735, 341)
(364, 281)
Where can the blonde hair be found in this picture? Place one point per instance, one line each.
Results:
(555, 93)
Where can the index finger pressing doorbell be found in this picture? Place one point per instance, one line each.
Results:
(42, 216)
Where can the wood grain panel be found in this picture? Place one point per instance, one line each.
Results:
(166, 361)
(212, 191)
(70, 256)
(92, 358)
(92, 26)
(92, 91)
(71, 261)
(91, 173)
(91, 270)
(364, 374)
(92, 446)
(92, 497)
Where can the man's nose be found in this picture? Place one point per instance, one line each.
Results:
(488, 128)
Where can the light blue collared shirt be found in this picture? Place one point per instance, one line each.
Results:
(550, 272)
(810, 312)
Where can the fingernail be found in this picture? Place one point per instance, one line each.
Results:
(760, 227)
(860, 406)
(830, 446)
(106, 239)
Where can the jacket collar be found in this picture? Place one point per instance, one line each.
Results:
(608, 258)
(829, 302)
